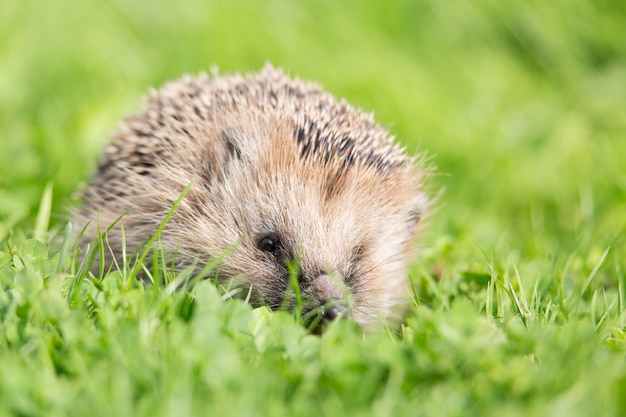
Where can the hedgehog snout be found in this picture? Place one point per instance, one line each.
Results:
(327, 300)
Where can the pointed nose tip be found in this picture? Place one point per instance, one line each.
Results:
(334, 311)
(328, 298)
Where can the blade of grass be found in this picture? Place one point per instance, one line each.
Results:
(43, 215)
(67, 238)
(591, 276)
(157, 235)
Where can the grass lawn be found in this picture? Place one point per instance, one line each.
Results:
(521, 283)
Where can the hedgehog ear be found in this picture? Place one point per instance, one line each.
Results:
(219, 157)
(239, 144)
(417, 210)
(231, 138)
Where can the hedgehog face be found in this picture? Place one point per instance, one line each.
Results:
(347, 229)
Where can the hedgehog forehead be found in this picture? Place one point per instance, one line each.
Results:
(270, 171)
(327, 210)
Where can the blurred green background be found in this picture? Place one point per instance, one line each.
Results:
(521, 105)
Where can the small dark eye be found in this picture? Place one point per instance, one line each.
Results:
(270, 244)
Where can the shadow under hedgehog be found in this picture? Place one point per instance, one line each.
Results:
(281, 170)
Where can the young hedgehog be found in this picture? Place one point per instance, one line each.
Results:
(281, 172)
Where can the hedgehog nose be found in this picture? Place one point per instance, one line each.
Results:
(334, 309)
(330, 294)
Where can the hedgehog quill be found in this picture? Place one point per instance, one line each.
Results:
(281, 170)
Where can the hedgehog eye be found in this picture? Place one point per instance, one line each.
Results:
(270, 244)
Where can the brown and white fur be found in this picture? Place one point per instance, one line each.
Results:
(273, 158)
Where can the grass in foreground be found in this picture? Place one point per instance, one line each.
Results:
(480, 343)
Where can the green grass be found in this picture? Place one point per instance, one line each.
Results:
(521, 281)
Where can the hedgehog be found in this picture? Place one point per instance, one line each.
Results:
(277, 173)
